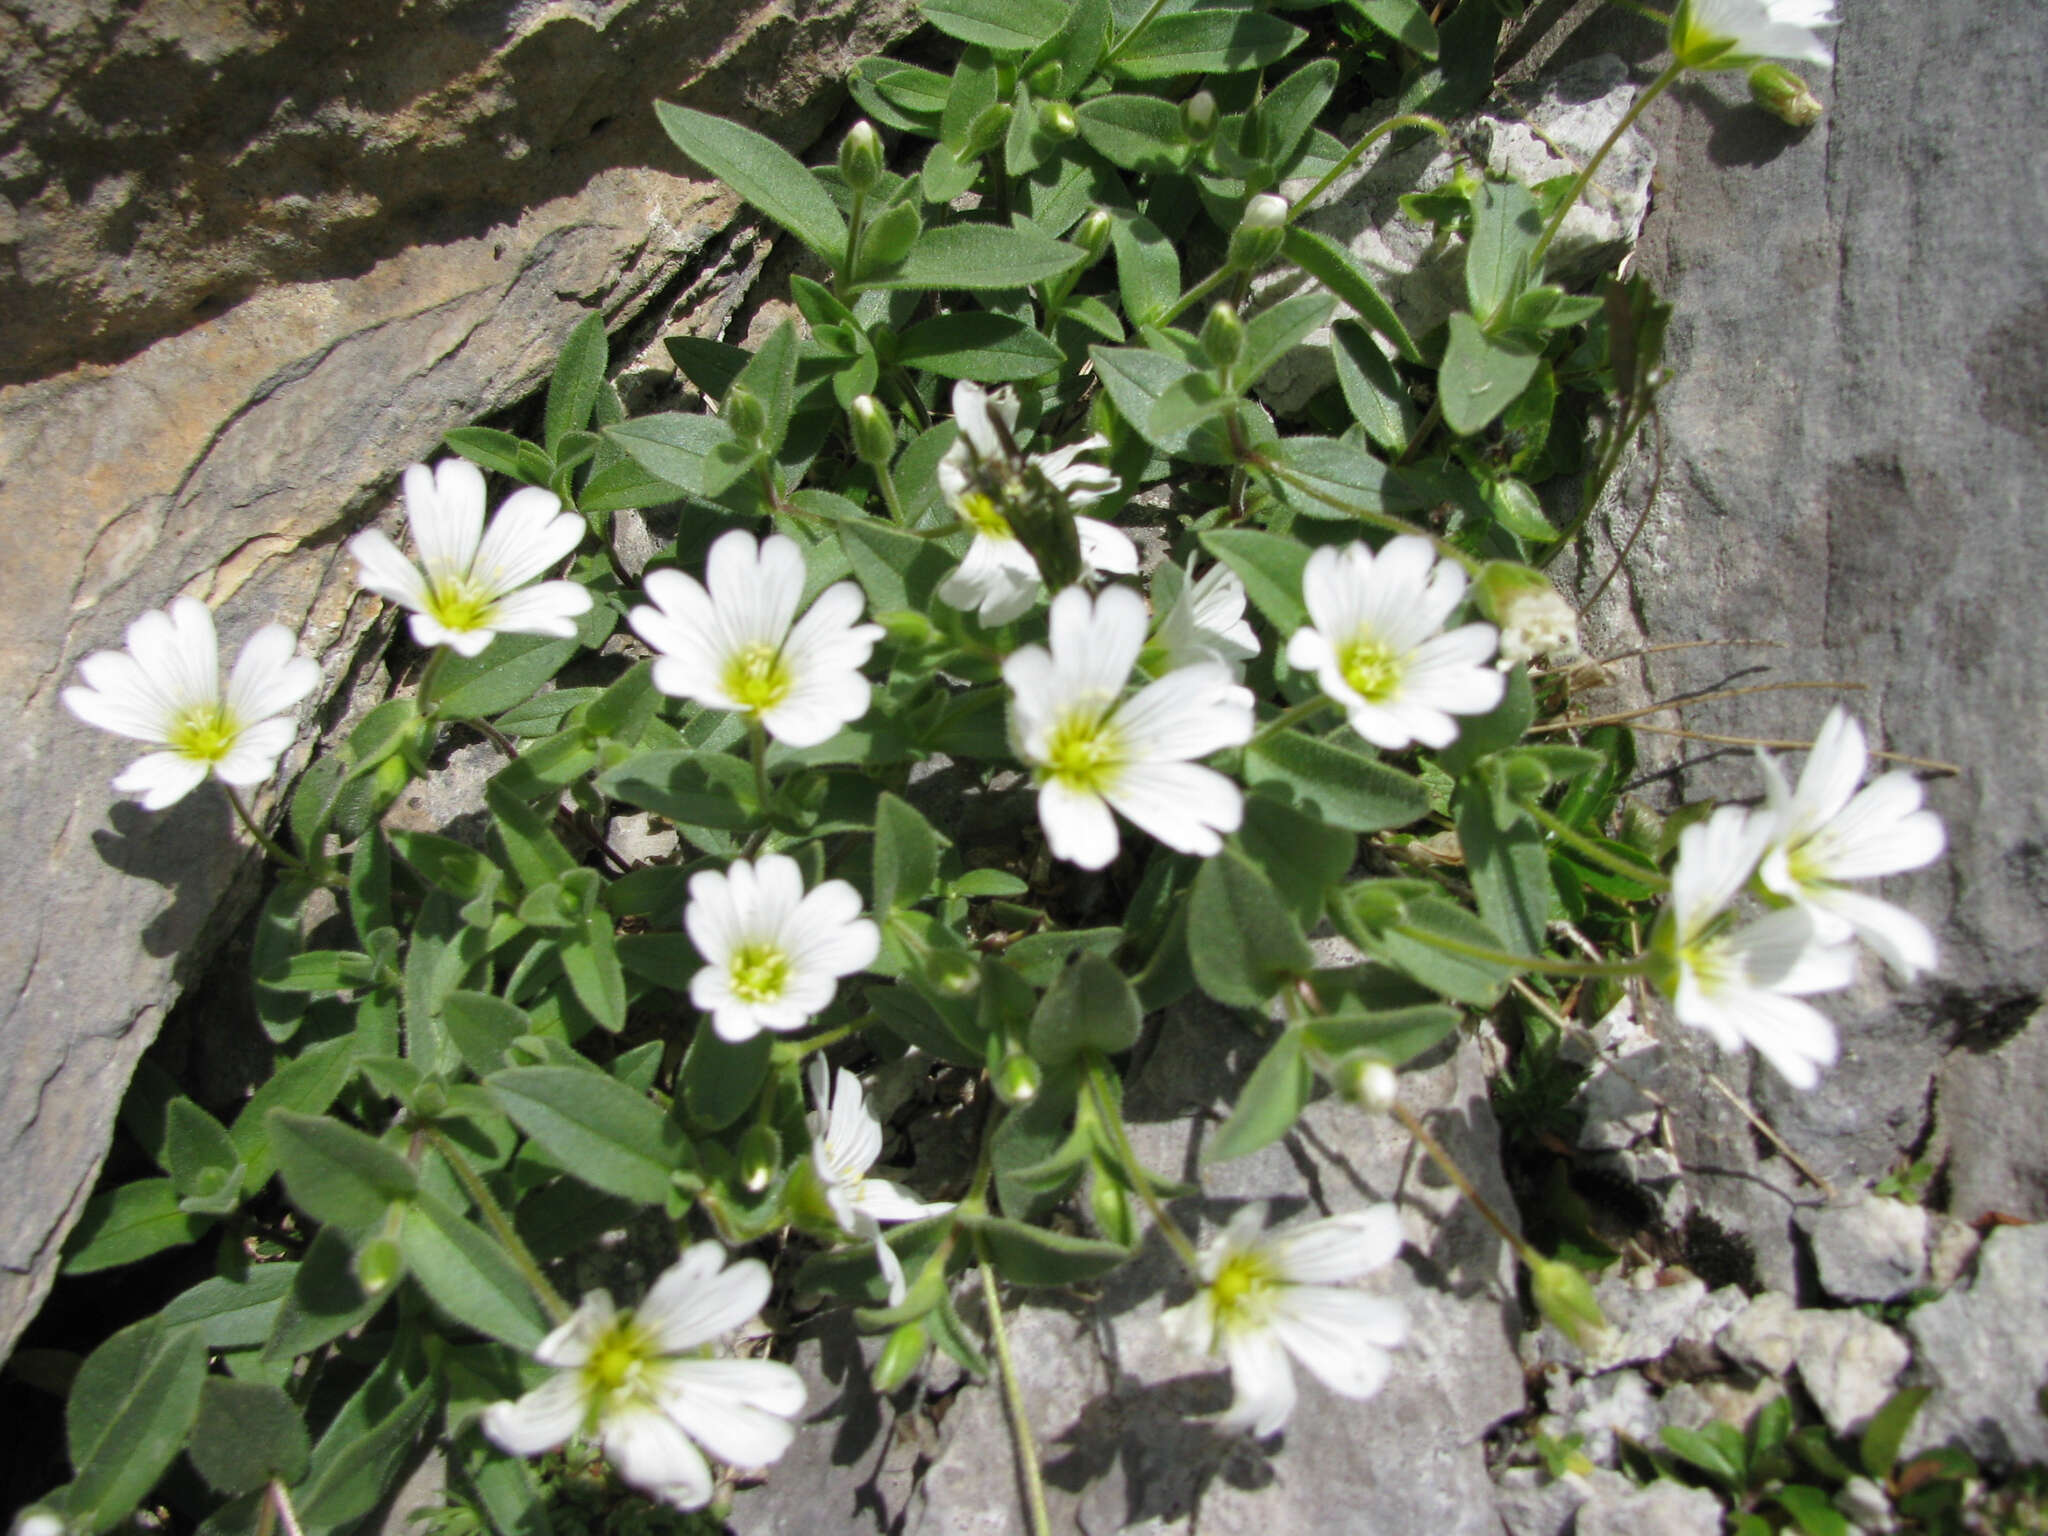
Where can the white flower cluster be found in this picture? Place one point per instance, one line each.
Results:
(1741, 982)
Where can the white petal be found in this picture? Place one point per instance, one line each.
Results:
(1095, 642)
(253, 758)
(1883, 831)
(716, 1303)
(1186, 714)
(119, 697)
(738, 1410)
(570, 1344)
(1900, 938)
(269, 676)
(1786, 952)
(1187, 807)
(1339, 1248)
(898, 1285)
(1106, 547)
(162, 779)
(1715, 860)
(446, 509)
(1792, 1036)
(530, 534)
(880, 1200)
(1078, 827)
(1335, 1334)
(539, 1421)
(1262, 1384)
(654, 1455)
(551, 608)
(381, 569)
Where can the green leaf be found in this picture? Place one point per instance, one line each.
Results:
(535, 855)
(1461, 978)
(130, 1222)
(1505, 228)
(762, 172)
(1341, 787)
(494, 450)
(1139, 133)
(721, 1079)
(598, 1129)
(200, 1154)
(1397, 1034)
(1186, 404)
(980, 256)
(335, 1173)
(1207, 42)
(771, 374)
(578, 376)
(1028, 1255)
(1405, 21)
(590, 959)
(1147, 266)
(247, 1432)
(1244, 944)
(468, 1275)
(694, 789)
(906, 860)
(1509, 866)
(1695, 1448)
(1372, 389)
(1886, 1431)
(447, 865)
(1296, 852)
(132, 1404)
(672, 446)
(509, 671)
(1275, 331)
(1010, 25)
(307, 1085)
(1041, 957)
(977, 344)
(1137, 377)
(1515, 506)
(1270, 567)
(231, 1312)
(1271, 1100)
(1481, 375)
(1810, 1510)
(625, 483)
(482, 1027)
(1341, 479)
(1335, 268)
(325, 1300)
(1089, 1006)
(356, 1462)
(1291, 108)
(897, 570)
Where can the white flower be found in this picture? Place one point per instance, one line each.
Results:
(1376, 643)
(740, 646)
(845, 1141)
(165, 689)
(1536, 621)
(773, 954)
(467, 586)
(1091, 753)
(1268, 1295)
(982, 474)
(636, 1382)
(1208, 623)
(1742, 985)
(1825, 832)
(1727, 34)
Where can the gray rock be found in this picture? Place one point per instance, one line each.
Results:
(1531, 1502)
(1849, 1365)
(1696, 1404)
(1597, 1407)
(1422, 275)
(1867, 1248)
(1987, 1118)
(1764, 1336)
(1984, 1350)
(1664, 1508)
(1643, 1321)
(1951, 1245)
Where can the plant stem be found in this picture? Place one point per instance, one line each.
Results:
(757, 748)
(1465, 1186)
(1624, 716)
(1293, 716)
(1642, 874)
(1013, 1395)
(1423, 428)
(1650, 93)
(494, 1216)
(886, 479)
(1126, 1154)
(423, 694)
(1350, 156)
(264, 840)
(275, 1497)
(1542, 964)
(1194, 296)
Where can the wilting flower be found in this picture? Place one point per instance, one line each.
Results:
(471, 582)
(845, 1141)
(1534, 618)
(1727, 34)
(773, 954)
(740, 646)
(984, 478)
(1825, 832)
(636, 1382)
(164, 688)
(1090, 752)
(1268, 1295)
(1208, 623)
(1376, 642)
(1742, 984)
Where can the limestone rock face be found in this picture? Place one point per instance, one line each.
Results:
(412, 215)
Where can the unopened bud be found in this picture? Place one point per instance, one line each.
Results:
(1564, 1297)
(874, 435)
(1018, 1079)
(1198, 118)
(760, 1158)
(1256, 240)
(988, 130)
(1534, 619)
(1784, 95)
(1047, 79)
(953, 971)
(900, 1357)
(744, 414)
(908, 627)
(1222, 336)
(1369, 1082)
(379, 1265)
(1092, 234)
(860, 156)
(1057, 119)
(38, 1522)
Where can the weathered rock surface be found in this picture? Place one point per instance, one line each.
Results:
(1869, 1249)
(1984, 1349)
(1118, 1410)
(444, 218)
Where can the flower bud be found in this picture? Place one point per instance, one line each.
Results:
(900, 1357)
(1092, 234)
(38, 1522)
(1111, 1207)
(1056, 118)
(953, 972)
(745, 415)
(1018, 1079)
(379, 1265)
(1534, 618)
(1222, 336)
(760, 1157)
(1198, 118)
(988, 130)
(874, 435)
(1047, 79)
(1564, 1297)
(1256, 240)
(860, 156)
(905, 626)
(1369, 1082)
(1784, 95)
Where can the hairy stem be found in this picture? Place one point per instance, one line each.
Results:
(1443, 1159)
(1013, 1396)
(494, 1216)
(1650, 93)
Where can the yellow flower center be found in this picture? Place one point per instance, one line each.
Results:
(1372, 668)
(460, 603)
(979, 509)
(1243, 1290)
(757, 678)
(1084, 752)
(616, 1361)
(203, 733)
(759, 973)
